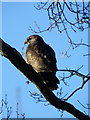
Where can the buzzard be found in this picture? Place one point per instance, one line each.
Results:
(42, 58)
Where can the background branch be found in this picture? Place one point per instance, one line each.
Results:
(85, 79)
(59, 18)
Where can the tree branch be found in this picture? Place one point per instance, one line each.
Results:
(85, 79)
(16, 59)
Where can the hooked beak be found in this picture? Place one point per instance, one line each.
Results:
(25, 42)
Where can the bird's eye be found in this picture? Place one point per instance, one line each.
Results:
(28, 39)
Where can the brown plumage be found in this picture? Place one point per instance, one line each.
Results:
(42, 58)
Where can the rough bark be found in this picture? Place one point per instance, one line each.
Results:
(16, 59)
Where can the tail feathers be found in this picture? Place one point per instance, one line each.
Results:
(50, 79)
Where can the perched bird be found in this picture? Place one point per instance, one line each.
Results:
(42, 58)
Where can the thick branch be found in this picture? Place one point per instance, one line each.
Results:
(16, 59)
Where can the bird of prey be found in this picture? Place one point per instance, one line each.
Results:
(42, 58)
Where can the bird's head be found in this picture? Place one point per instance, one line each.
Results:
(32, 39)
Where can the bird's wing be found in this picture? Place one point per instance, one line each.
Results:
(47, 54)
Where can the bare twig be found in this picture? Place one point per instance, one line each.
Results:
(57, 15)
(84, 105)
(8, 109)
(37, 97)
(85, 79)
(17, 112)
(86, 55)
(75, 45)
(84, 82)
